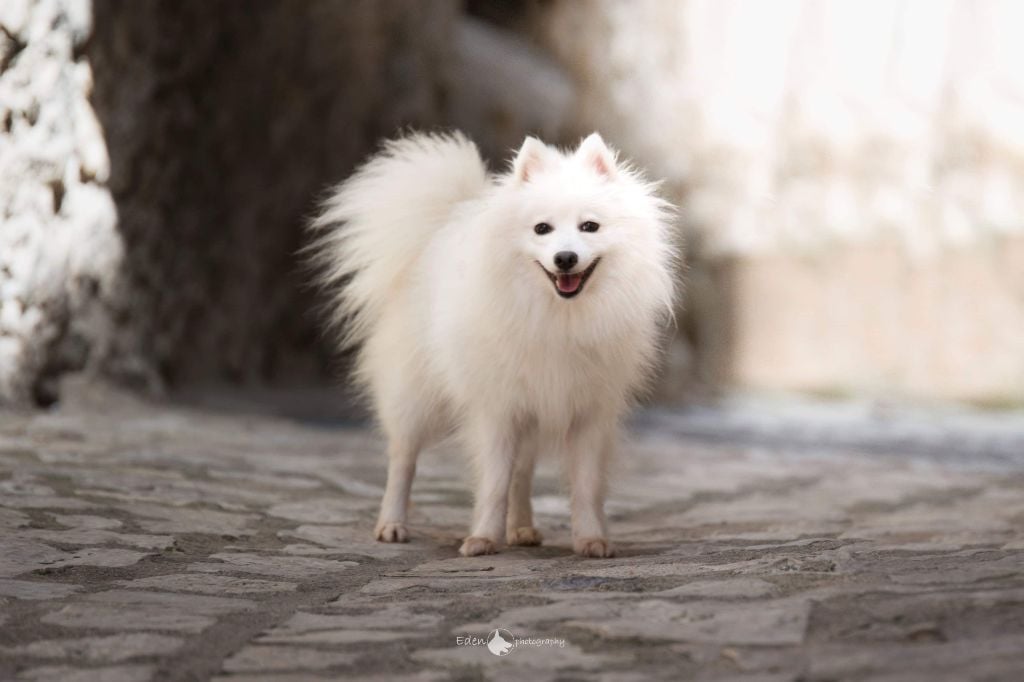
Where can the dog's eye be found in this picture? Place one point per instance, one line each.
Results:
(589, 226)
(542, 228)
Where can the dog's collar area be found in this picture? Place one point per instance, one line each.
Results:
(568, 285)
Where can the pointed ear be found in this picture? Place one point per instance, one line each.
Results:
(532, 157)
(595, 153)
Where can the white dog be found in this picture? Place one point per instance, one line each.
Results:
(521, 312)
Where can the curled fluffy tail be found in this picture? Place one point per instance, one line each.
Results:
(375, 224)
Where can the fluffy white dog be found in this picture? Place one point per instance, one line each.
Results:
(521, 312)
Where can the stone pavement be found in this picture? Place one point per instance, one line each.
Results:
(148, 542)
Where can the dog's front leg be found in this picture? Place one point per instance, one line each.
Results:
(590, 445)
(519, 528)
(493, 444)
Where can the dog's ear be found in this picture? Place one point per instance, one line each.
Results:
(595, 153)
(532, 157)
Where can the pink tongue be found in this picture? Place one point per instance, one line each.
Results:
(568, 283)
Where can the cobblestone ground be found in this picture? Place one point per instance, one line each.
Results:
(142, 542)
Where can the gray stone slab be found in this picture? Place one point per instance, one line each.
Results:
(19, 554)
(263, 658)
(296, 567)
(208, 584)
(331, 510)
(10, 519)
(168, 519)
(90, 536)
(123, 617)
(87, 521)
(347, 636)
(171, 600)
(371, 615)
(778, 622)
(63, 673)
(726, 588)
(108, 649)
(33, 589)
(524, 660)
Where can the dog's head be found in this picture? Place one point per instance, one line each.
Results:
(590, 226)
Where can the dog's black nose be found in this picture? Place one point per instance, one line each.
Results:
(566, 260)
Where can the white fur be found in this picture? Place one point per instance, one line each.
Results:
(437, 271)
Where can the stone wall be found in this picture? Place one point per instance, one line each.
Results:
(60, 252)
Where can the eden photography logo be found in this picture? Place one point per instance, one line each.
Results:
(501, 642)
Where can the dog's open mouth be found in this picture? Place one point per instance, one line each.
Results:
(567, 284)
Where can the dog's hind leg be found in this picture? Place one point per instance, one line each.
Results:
(409, 427)
(394, 507)
(519, 528)
(409, 413)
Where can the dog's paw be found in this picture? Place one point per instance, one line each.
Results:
(475, 546)
(527, 536)
(593, 547)
(391, 532)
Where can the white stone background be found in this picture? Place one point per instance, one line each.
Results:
(58, 242)
(851, 179)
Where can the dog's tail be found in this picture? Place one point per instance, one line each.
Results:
(375, 224)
